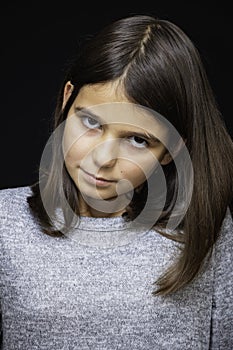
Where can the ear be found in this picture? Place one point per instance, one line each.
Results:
(67, 92)
(167, 158)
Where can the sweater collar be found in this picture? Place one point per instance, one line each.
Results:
(102, 232)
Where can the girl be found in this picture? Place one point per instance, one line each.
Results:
(125, 241)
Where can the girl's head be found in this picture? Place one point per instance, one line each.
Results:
(140, 60)
(149, 66)
(143, 61)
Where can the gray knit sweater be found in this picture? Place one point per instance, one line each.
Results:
(95, 292)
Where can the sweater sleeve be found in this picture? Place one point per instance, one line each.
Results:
(0, 328)
(222, 305)
(5, 202)
(1, 227)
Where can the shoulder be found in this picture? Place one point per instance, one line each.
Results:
(222, 311)
(4, 192)
(12, 201)
(14, 195)
(223, 251)
(226, 232)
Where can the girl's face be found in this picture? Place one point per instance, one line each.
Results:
(110, 145)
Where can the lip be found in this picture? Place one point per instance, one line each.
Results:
(98, 181)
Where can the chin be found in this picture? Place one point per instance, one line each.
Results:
(96, 194)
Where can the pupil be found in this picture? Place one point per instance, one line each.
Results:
(91, 121)
(139, 139)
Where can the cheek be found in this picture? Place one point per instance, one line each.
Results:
(139, 169)
(76, 153)
(132, 172)
(75, 147)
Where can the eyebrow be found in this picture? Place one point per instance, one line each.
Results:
(145, 135)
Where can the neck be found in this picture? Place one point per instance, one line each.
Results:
(102, 208)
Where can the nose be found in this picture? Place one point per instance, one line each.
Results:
(105, 154)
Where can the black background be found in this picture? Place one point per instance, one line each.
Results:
(37, 40)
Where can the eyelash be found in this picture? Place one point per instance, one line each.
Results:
(86, 118)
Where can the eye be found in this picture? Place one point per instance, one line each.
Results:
(138, 142)
(90, 122)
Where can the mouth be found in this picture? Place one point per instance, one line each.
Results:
(98, 181)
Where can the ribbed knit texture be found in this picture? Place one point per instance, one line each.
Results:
(95, 292)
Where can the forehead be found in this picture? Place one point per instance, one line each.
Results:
(110, 105)
(103, 92)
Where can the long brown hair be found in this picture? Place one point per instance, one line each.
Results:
(159, 68)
